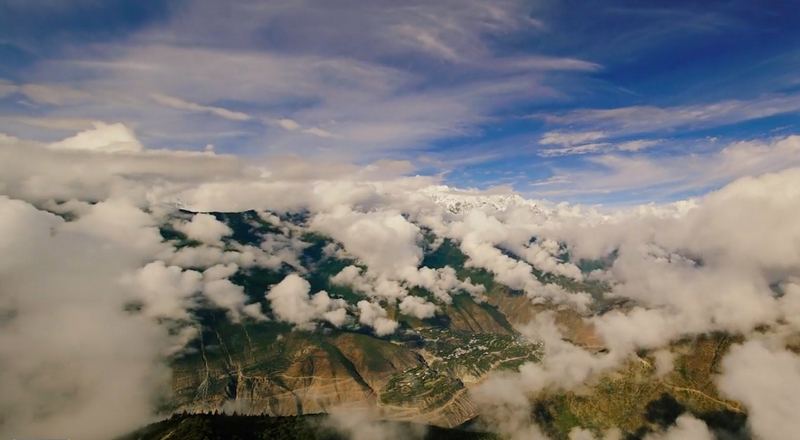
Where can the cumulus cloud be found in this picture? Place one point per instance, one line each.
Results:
(103, 137)
(564, 367)
(442, 283)
(291, 302)
(373, 315)
(205, 228)
(102, 163)
(228, 296)
(767, 381)
(167, 292)
(66, 340)
(417, 307)
(479, 235)
(686, 428)
(686, 268)
(369, 235)
(689, 273)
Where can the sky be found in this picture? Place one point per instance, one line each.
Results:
(595, 102)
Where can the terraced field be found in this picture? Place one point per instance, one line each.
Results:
(419, 387)
(470, 356)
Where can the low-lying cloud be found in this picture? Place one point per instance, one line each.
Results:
(725, 262)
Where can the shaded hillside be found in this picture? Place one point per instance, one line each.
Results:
(237, 427)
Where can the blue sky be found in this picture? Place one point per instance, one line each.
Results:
(587, 101)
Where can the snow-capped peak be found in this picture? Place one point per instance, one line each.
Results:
(461, 201)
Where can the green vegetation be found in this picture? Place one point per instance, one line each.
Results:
(248, 227)
(636, 401)
(447, 254)
(178, 239)
(419, 387)
(475, 354)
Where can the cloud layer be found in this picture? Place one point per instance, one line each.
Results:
(728, 261)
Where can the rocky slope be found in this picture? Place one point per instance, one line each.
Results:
(266, 368)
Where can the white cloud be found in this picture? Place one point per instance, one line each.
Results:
(568, 138)
(585, 434)
(52, 94)
(364, 424)
(417, 307)
(322, 81)
(441, 282)
(226, 295)
(481, 233)
(369, 235)
(373, 315)
(579, 149)
(7, 88)
(67, 124)
(180, 104)
(637, 145)
(291, 303)
(62, 333)
(663, 176)
(289, 124)
(688, 267)
(422, 39)
(204, 228)
(584, 143)
(664, 362)
(647, 119)
(103, 137)
(767, 382)
(319, 132)
(686, 428)
(167, 292)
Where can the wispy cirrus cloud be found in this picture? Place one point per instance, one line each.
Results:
(664, 177)
(652, 119)
(410, 80)
(573, 143)
(568, 138)
(180, 104)
(578, 149)
(311, 74)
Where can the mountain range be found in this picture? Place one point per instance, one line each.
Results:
(425, 368)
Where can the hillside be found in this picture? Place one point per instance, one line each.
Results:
(238, 427)
(420, 372)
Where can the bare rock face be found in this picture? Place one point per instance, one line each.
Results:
(374, 360)
(471, 317)
(571, 324)
(252, 369)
